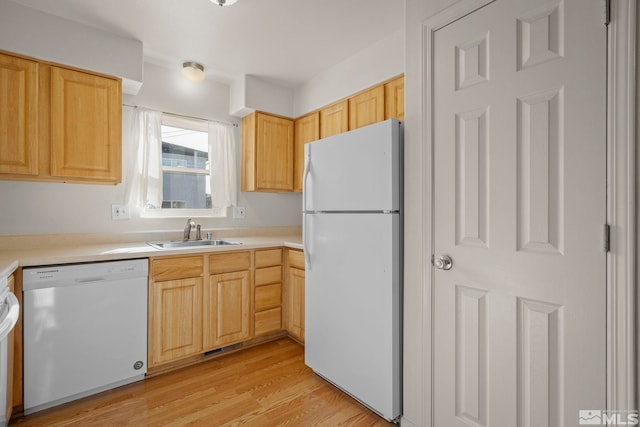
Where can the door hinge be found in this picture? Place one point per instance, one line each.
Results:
(606, 238)
(607, 12)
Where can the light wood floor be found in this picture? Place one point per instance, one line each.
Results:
(267, 385)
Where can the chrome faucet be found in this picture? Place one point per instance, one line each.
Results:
(187, 230)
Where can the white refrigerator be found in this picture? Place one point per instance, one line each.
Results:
(352, 226)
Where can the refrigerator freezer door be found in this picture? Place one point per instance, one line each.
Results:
(355, 171)
(352, 292)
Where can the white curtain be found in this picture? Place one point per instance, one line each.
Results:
(222, 163)
(130, 145)
(141, 133)
(150, 159)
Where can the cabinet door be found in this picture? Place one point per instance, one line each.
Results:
(366, 108)
(248, 163)
(227, 309)
(307, 129)
(274, 153)
(86, 126)
(394, 99)
(175, 320)
(334, 119)
(295, 320)
(268, 309)
(18, 116)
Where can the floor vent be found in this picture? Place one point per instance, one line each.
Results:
(222, 350)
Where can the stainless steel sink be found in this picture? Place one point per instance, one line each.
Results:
(191, 243)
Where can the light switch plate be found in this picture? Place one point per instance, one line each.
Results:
(119, 212)
(239, 212)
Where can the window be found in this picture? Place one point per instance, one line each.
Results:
(184, 167)
(186, 182)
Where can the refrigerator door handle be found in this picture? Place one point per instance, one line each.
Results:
(307, 167)
(305, 220)
(305, 245)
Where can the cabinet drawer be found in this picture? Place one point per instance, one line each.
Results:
(268, 321)
(296, 259)
(229, 262)
(268, 258)
(268, 296)
(268, 275)
(176, 268)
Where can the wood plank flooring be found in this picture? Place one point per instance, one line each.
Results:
(267, 385)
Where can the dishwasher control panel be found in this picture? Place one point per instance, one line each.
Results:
(70, 274)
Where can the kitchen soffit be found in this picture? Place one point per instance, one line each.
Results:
(285, 41)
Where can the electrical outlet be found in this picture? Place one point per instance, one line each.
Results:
(119, 212)
(239, 212)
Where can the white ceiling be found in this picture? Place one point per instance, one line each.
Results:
(283, 41)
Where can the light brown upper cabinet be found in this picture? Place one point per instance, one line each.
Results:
(58, 124)
(273, 146)
(18, 116)
(366, 108)
(394, 99)
(267, 153)
(307, 129)
(86, 126)
(334, 119)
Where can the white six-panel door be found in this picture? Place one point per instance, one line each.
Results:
(519, 205)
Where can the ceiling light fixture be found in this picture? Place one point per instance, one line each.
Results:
(193, 71)
(224, 2)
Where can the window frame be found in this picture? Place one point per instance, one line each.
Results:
(189, 123)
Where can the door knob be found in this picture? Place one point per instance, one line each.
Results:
(443, 262)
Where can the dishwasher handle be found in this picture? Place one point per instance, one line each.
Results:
(91, 279)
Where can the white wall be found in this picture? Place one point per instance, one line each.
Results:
(40, 35)
(374, 64)
(251, 93)
(42, 208)
(167, 90)
(380, 61)
(48, 208)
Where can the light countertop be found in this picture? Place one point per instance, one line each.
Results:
(68, 252)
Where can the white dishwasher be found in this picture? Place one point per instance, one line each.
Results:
(85, 330)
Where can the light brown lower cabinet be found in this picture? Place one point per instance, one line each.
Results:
(175, 320)
(199, 303)
(268, 291)
(175, 308)
(295, 293)
(227, 307)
